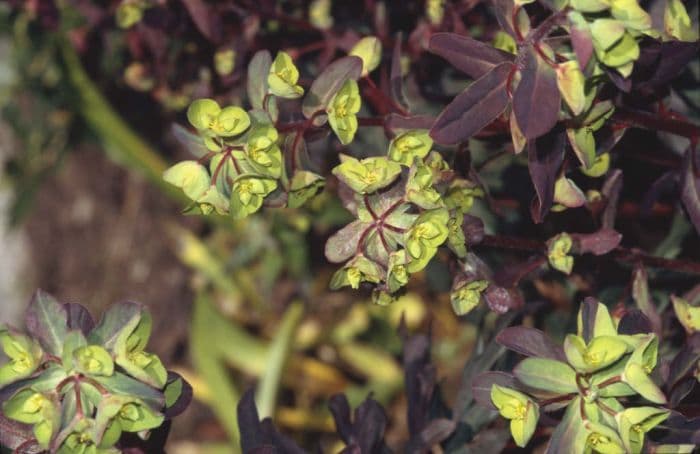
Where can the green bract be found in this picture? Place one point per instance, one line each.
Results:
(602, 439)
(212, 122)
(461, 195)
(320, 14)
(263, 152)
(419, 188)
(24, 353)
(369, 49)
(93, 383)
(598, 354)
(677, 23)
(687, 315)
(570, 81)
(129, 13)
(358, 270)
(304, 186)
(522, 412)
(397, 274)
(467, 296)
(342, 110)
(558, 249)
(634, 423)
(190, 176)
(31, 407)
(409, 145)
(429, 231)
(368, 175)
(93, 360)
(283, 77)
(248, 194)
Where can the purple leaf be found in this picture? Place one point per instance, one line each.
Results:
(470, 56)
(640, 293)
(184, 397)
(79, 318)
(536, 101)
(690, 188)
(545, 156)
(477, 106)
(634, 322)
(611, 191)
(344, 243)
(396, 76)
(366, 432)
(673, 57)
(481, 386)
(530, 342)
(680, 430)
(329, 82)
(260, 436)
(583, 45)
(46, 320)
(206, 20)
(597, 243)
(685, 361)
(589, 309)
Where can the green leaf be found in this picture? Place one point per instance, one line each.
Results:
(570, 81)
(606, 32)
(570, 435)
(369, 49)
(120, 383)
(687, 315)
(283, 76)
(547, 375)
(677, 23)
(590, 6)
(631, 14)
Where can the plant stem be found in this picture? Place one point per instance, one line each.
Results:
(621, 254)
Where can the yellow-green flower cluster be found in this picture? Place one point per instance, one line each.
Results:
(408, 205)
(598, 370)
(78, 385)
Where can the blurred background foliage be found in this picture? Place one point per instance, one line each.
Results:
(238, 303)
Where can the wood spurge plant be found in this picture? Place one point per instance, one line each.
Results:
(519, 178)
(75, 386)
